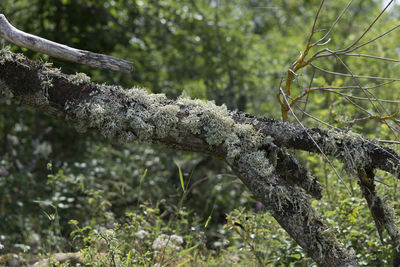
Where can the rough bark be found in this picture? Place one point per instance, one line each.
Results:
(254, 148)
(381, 211)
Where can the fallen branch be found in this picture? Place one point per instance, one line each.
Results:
(193, 125)
(38, 44)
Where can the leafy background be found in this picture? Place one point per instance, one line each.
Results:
(64, 192)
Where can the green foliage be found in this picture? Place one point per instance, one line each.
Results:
(143, 239)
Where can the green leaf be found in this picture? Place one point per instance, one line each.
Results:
(128, 258)
(73, 222)
(181, 253)
(209, 217)
(180, 176)
(208, 220)
(144, 175)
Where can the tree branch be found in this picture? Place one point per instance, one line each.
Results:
(257, 158)
(354, 150)
(381, 211)
(38, 44)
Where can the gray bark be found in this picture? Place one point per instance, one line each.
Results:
(38, 44)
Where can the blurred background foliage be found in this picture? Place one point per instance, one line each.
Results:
(233, 52)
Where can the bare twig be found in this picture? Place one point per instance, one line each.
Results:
(367, 30)
(41, 45)
(315, 143)
(315, 22)
(356, 76)
(357, 97)
(349, 87)
(333, 25)
(372, 56)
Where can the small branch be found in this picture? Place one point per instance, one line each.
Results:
(381, 211)
(371, 56)
(38, 44)
(356, 76)
(333, 25)
(357, 97)
(349, 87)
(391, 117)
(367, 30)
(315, 23)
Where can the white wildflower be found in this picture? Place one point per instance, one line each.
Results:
(176, 239)
(141, 234)
(163, 241)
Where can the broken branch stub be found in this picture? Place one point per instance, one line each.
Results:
(60, 51)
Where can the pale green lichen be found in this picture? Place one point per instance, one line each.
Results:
(250, 137)
(97, 114)
(233, 147)
(123, 122)
(7, 56)
(243, 137)
(214, 120)
(79, 78)
(296, 199)
(46, 83)
(134, 114)
(192, 122)
(390, 221)
(165, 121)
(258, 162)
(348, 147)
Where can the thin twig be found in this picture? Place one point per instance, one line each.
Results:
(388, 142)
(317, 119)
(358, 97)
(374, 39)
(357, 76)
(371, 56)
(367, 30)
(315, 21)
(350, 87)
(333, 25)
(320, 54)
(308, 95)
(315, 143)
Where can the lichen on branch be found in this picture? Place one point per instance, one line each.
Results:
(256, 149)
